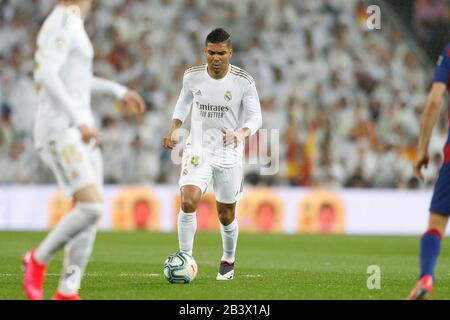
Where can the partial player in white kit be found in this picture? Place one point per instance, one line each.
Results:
(225, 110)
(68, 143)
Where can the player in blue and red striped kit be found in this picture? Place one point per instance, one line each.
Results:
(430, 244)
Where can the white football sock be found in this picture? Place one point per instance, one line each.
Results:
(76, 256)
(82, 217)
(187, 226)
(229, 240)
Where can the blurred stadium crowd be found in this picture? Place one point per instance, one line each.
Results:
(432, 23)
(347, 100)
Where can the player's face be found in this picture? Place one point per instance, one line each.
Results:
(82, 7)
(218, 57)
(86, 5)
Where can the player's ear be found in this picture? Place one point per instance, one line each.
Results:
(231, 52)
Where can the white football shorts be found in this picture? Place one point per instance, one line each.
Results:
(228, 182)
(75, 164)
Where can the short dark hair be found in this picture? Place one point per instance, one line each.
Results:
(218, 35)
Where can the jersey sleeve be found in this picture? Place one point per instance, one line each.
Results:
(101, 85)
(442, 73)
(184, 102)
(252, 109)
(53, 54)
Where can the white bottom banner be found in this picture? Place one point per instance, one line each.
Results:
(283, 210)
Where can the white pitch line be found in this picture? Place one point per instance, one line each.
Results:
(19, 274)
(139, 275)
(88, 275)
(120, 275)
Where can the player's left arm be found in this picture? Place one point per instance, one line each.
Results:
(431, 112)
(253, 118)
(428, 120)
(130, 98)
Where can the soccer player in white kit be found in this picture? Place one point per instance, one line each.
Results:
(225, 110)
(68, 143)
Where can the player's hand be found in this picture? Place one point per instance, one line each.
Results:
(421, 161)
(88, 134)
(169, 142)
(233, 138)
(133, 102)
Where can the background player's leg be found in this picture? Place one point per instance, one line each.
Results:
(430, 244)
(430, 247)
(187, 218)
(76, 256)
(87, 211)
(77, 251)
(229, 230)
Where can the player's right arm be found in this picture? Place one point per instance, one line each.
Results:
(431, 113)
(52, 54)
(182, 109)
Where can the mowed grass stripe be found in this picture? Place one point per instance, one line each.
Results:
(129, 266)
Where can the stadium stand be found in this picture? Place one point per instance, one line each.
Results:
(347, 100)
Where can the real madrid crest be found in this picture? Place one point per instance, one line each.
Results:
(228, 96)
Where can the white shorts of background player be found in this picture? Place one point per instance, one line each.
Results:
(75, 164)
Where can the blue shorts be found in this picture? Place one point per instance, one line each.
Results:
(440, 202)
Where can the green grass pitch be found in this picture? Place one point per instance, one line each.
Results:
(275, 267)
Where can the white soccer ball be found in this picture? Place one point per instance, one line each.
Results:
(180, 268)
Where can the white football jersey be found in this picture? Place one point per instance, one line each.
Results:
(229, 103)
(64, 76)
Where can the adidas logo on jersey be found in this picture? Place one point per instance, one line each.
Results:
(198, 93)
